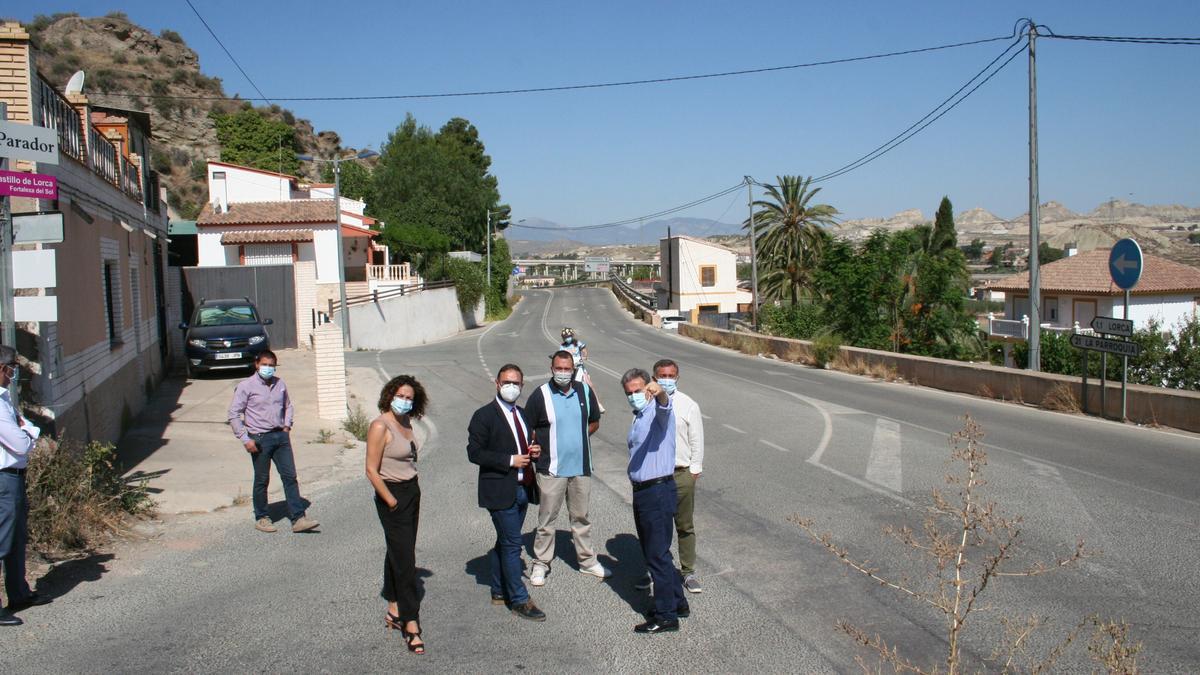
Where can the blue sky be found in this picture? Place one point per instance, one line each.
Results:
(1115, 120)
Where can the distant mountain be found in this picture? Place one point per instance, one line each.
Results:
(539, 230)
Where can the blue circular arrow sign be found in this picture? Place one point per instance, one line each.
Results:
(1125, 263)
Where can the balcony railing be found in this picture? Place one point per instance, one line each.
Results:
(401, 273)
(103, 155)
(1019, 328)
(55, 112)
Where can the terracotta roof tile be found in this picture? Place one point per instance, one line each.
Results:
(1087, 273)
(258, 213)
(265, 236)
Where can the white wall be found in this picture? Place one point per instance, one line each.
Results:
(351, 205)
(409, 320)
(326, 254)
(687, 257)
(1168, 309)
(210, 252)
(245, 185)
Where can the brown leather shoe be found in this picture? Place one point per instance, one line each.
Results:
(528, 610)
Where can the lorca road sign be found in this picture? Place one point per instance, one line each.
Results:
(1099, 344)
(1111, 326)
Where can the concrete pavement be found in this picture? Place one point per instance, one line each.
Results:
(182, 445)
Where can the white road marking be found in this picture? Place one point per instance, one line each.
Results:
(884, 467)
(733, 428)
(479, 350)
(769, 444)
(707, 417)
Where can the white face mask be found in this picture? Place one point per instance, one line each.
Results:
(563, 378)
(510, 392)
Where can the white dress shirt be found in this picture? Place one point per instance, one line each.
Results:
(508, 417)
(689, 433)
(17, 435)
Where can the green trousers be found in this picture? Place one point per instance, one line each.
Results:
(685, 488)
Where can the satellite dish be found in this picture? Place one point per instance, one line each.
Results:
(75, 84)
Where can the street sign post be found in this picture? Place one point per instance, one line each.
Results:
(1111, 326)
(1125, 263)
(43, 227)
(1108, 345)
(1125, 268)
(26, 141)
(30, 185)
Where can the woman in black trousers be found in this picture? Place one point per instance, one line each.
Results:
(392, 470)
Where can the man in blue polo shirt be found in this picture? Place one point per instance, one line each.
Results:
(652, 474)
(564, 413)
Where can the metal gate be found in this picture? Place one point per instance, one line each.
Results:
(272, 288)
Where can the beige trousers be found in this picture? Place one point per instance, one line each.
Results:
(576, 490)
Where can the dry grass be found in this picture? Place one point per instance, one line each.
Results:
(1062, 398)
(78, 497)
(884, 372)
(986, 391)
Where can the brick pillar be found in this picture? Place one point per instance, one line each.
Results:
(80, 102)
(16, 70)
(305, 273)
(331, 372)
(174, 302)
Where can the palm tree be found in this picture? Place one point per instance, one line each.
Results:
(789, 236)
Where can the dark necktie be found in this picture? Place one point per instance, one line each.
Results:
(527, 479)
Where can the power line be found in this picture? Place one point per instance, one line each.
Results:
(570, 87)
(630, 221)
(227, 53)
(932, 116)
(1195, 41)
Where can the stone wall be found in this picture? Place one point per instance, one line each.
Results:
(1145, 405)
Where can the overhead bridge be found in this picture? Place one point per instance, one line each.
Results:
(584, 268)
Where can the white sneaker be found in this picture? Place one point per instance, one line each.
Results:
(645, 583)
(597, 570)
(538, 576)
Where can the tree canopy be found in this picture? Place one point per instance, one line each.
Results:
(434, 190)
(250, 138)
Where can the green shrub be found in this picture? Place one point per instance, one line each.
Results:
(357, 423)
(77, 495)
(171, 36)
(801, 322)
(826, 346)
(469, 281)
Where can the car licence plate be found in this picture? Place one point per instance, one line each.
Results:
(228, 355)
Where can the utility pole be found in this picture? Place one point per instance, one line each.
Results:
(1035, 295)
(488, 235)
(753, 255)
(6, 262)
(337, 223)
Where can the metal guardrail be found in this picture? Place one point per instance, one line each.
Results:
(641, 299)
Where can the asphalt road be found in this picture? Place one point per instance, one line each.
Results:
(212, 594)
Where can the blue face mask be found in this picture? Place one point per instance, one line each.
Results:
(266, 372)
(401, 406)
(568, 340)
(637, 400)
(668, 384)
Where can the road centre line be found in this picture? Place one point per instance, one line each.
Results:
(884, 467)
(732, 428)
(769, 444)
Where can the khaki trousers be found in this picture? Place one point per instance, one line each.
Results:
(577, 492)
(685, 529)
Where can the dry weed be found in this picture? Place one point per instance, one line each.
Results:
(968, 543)
(985, 391)
(882, 371)
(1061, 397)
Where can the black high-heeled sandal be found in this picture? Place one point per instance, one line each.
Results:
(393, 622)
(408, 641)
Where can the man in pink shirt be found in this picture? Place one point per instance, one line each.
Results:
(261, 416)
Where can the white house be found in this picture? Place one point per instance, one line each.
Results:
(698, 277)
(257, 217)
(1078, 288)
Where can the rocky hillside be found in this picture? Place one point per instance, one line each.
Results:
(117, 55)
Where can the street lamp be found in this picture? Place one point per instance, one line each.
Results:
(337, 222)
(489, 244)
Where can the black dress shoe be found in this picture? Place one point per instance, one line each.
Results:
(31, 600)
(498, 599)
(528, 610)
(657, 626)
(7, 619)
(683, 612)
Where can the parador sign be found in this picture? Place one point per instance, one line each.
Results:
(25, 141)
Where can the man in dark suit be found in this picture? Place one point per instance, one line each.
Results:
(499, 441)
